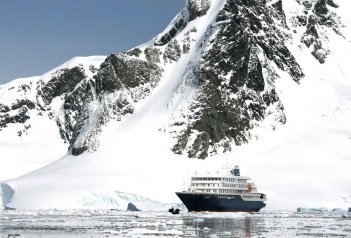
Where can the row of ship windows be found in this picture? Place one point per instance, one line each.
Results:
(234, 186)
(217, 185)
(205, 185)
(207, 179)
(219, 179)
(228, 191)
(222, 191)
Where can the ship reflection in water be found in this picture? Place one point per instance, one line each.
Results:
(223, 227)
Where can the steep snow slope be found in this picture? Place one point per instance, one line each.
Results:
(31, 144)
(305, 162)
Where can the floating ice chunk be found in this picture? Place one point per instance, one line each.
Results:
(199, 220)
(6, 194)
(312, 210)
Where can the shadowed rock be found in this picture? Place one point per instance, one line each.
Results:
(131, 207)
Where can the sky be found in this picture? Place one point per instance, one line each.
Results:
(38, 35)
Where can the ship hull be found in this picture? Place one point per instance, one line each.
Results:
(197, 202)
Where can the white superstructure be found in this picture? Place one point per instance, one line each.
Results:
(228, 184)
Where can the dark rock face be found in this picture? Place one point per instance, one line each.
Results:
(314, 19)
(64, 81)
(198, 8)
(4, 108)
(278, 12)
(21, 115)
(153, 55)
(193, 10)
(131, 207)
(119, 69)
(121, 80)
(179, 25)
(172, 52)
(236, 64)
(21, 103)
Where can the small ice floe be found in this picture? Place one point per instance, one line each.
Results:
(338, 210)
(131, 207)
(321, 210)
(6, 208)
(312, 210)
(198, 220)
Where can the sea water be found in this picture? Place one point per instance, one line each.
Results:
(112, 223)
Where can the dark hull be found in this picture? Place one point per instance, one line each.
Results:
(196, 202)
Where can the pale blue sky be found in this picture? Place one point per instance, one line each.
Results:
(38, 35)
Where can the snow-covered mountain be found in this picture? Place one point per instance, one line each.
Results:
(264, 84)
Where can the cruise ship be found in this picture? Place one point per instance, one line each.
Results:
(222, 193)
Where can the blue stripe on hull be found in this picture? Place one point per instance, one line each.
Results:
(211, 202)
